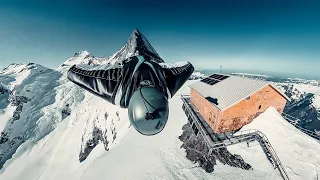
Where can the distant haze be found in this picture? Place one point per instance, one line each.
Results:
(268, 73)
(274, 36)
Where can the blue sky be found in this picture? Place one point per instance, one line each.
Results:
(270, 35)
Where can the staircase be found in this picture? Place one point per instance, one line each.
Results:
(216, 141)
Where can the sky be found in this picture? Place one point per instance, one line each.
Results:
(269, 35)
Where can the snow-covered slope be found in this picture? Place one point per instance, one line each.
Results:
(54, 145)
(44, 100)
(31, 87)
(52, 129)
(64, 132)
(129, 156)
(299, 153)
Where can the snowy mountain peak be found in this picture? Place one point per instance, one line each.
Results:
(137, 44)
(136, 31)
(83, 54)
(10, 67)
(83, 57)
(16, 68)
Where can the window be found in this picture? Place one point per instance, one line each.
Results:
(260, 107)
(248, 98)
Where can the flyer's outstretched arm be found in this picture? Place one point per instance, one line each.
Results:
(177, 74)
(99, 81)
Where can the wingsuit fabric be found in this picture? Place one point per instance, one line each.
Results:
(116, 83)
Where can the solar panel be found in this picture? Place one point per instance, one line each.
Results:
(205, 79)
(215, 82)
(209, 79)
(214, 76)
(224, 77)
(214, 79)
(219, 76)
(212, 82)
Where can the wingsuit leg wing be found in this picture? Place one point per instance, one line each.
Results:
(101, 82)
(176, 75)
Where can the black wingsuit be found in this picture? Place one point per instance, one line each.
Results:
(116, 83)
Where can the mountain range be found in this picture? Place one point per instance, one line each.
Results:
(52, 129)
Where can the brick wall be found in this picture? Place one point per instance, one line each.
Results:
(245, 111)
(208, 111)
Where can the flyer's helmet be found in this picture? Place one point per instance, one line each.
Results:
(148, 110)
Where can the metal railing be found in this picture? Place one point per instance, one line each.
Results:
(242, 136)
(253, 134)
(274, 155)
(294, 121)
(200, 127)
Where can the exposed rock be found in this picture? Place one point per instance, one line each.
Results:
(17, 101)
(29, 66)
(3, 137)
(117, 113)
(9, 143)
(302, 107)
(234, 160)
(97, 136)
(3, 90)
(66, 111)
(198, 152)
(113, 130)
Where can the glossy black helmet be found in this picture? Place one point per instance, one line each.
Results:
(148, 110)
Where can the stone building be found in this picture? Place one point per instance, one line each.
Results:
(229, 102)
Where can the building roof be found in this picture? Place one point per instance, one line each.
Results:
(230, 89)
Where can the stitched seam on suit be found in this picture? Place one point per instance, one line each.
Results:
(179, 70)
(88, 75)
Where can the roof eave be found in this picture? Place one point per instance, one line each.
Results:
(244, 98)
(205, 98)
(275, 88)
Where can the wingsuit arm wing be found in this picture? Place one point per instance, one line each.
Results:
(177, 74)
(101, 82)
